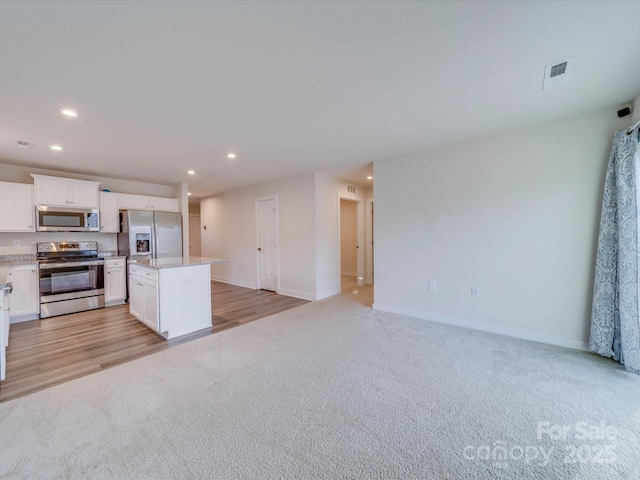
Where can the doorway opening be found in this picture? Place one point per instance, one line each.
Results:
(370, 256)
(348, 243)
(195, 240)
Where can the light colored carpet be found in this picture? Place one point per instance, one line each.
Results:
(334, 390)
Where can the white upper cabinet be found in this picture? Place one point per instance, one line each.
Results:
(65, 192)
(109, 215)
(163, 204)
(17, 212)
(142, 202)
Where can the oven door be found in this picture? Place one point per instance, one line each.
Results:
(69, 280)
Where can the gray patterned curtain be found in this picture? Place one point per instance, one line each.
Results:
(615, 318)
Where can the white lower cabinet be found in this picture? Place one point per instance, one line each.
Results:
(143, 296)
(150, 304)
(135, 294)
(4, 337)
(115, 282)
(25, 298)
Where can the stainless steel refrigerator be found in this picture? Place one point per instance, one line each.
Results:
(145, 235)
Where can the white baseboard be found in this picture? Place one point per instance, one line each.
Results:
(24, 318)
(474, 325)
(349, 274)
(237, 283)
(114, 303)
(328, 294)
(282, 291)
(296, 294)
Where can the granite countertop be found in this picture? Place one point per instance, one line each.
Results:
(173, 262)
(20, 259)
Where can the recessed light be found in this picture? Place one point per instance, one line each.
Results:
(189, 193)
(231, 155)
(57, 148)
(69, 113)
(191, 172)
(369, 177)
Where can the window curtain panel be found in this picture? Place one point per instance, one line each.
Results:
(615, 322)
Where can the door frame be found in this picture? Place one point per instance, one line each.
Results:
(359, 229)
(273, 197)
(369, 227)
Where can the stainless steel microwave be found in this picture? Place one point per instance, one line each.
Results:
(60, 219)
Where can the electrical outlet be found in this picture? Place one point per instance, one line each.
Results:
(16, 243)
(433, 286)
(475, 292)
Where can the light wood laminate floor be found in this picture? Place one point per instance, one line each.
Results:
(47, 352)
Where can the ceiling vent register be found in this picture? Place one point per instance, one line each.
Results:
(556, 74)
(558, 69)
(351, 189)
(24, 144)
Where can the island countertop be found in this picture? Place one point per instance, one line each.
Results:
(173, 262)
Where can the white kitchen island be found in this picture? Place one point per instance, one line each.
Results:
(172, 296)
(4, 321)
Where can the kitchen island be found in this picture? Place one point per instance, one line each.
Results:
(4, 320)
(172, 296)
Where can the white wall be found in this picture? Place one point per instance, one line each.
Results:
(515, 215)
(309, 253)
(181, 192)
(635, 116)
(348, 238)
(106, 241)
(231, 233)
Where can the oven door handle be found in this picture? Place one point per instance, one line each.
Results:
(47, 266)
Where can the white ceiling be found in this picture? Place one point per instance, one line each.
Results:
(292, 87)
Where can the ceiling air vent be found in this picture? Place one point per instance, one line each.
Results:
(556, 74)
(558, 69)
(24, 144)
(351, 189)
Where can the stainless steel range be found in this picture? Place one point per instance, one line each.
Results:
(71, 277)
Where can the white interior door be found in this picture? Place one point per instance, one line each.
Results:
(194, 236)
(267, 245)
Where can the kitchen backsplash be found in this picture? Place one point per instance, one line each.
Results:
(25, 243)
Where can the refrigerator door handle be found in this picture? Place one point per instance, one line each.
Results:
(154, 236)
